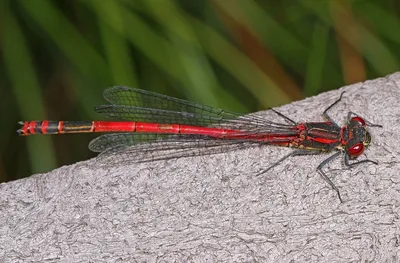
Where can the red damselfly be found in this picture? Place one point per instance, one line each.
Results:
(184, 126)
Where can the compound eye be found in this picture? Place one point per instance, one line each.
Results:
(359, 120)
(356, 150)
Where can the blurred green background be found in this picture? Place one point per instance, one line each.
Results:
(57, 56)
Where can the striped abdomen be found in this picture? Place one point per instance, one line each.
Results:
(60, 127)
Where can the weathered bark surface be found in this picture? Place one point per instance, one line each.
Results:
(213, 208)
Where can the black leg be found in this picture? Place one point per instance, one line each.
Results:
(294, 153)
(319, 168)
(346, 161)
(325, 113)
(326, 178)
(283, 116)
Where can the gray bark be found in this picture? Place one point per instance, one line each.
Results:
(213, 208)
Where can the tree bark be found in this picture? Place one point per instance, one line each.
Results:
(213, 208)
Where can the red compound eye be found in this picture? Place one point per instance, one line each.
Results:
(356, 150)
(359, 120)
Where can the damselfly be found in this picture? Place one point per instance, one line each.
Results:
(154, 117)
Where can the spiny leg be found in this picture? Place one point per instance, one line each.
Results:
(294, 153)
(283, 116)
(319, 168)
(350, 165)
(326, 178)
(325, 113)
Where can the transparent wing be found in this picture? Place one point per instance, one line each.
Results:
(152, 147)
(140, 105)
(144, 106)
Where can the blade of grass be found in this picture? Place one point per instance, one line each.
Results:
(218, 48)
(252, 45)
(240, 66)
(18, 63)
(316, 60)
(73, 46)
(285, 44)
(384, 21)
(119, 57)
(201, 80)
(375, 52)
(351, 60)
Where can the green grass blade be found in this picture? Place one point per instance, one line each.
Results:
(21, 72)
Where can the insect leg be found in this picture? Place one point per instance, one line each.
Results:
(326, 178)
(325, 113)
